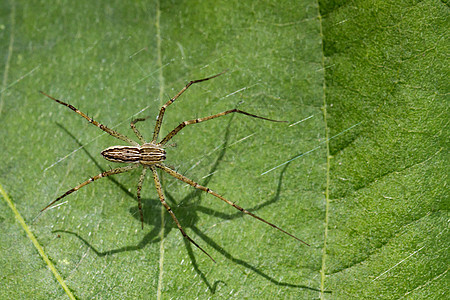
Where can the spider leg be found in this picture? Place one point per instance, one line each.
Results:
(163, 108)
(92, 179)
(200, 187)
(199, 120)
(169, 210)
(139, 188)
(92, 121)
(136, 131)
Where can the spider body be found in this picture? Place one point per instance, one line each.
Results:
(145, 154)
(151, 155)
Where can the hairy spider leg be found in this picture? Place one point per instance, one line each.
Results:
(159, 119)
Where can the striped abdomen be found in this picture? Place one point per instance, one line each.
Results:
(147, 154)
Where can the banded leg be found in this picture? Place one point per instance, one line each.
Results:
(163, 108)
(199, 120)
(169, 210)
(136, 131)
(92, 121)
(200, 187)
(139, 188)
(92, 179)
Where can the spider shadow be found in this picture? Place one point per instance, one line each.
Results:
(187, 214)
(221, 250)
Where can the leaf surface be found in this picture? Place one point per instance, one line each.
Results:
(358, 172)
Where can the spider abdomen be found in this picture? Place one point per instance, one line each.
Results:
(147, 154)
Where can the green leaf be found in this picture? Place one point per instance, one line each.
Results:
(387, 232)
(374, 212)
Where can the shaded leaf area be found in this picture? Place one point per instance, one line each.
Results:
(388, 219)
(113, 60)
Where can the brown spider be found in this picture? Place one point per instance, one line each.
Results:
(151, 156)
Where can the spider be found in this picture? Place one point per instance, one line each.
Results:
(150, 155)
